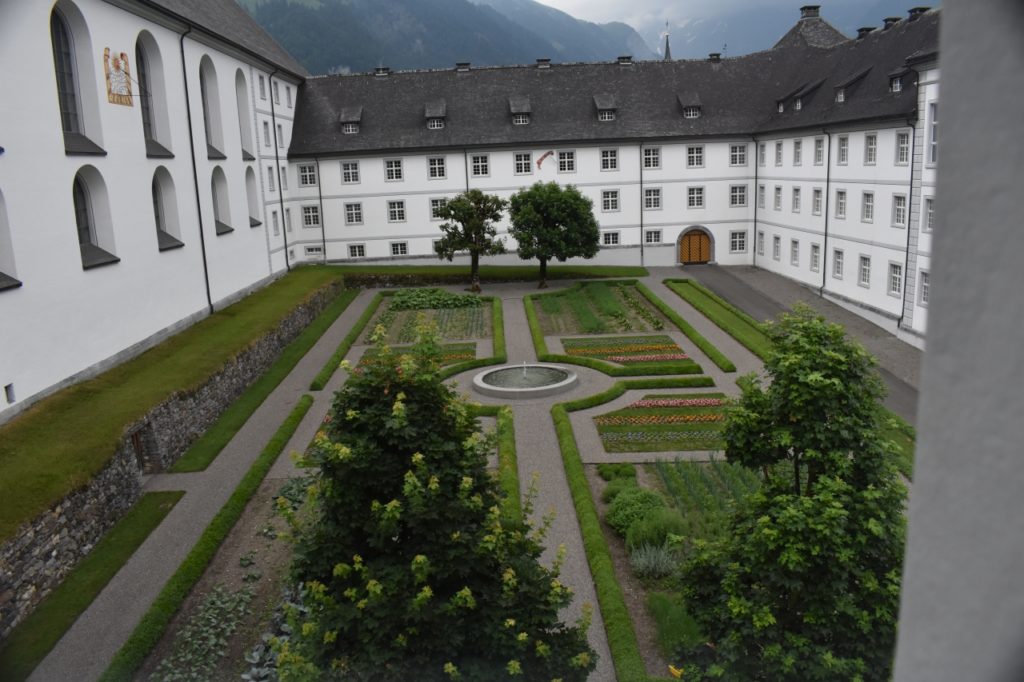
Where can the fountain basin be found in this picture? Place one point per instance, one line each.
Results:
(535, 380)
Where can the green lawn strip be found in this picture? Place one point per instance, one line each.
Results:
(508, 466)
(674, 623)
(331, 366)
(411, 275)
(498, 355)
(626, 658)
(33, 639)
(716, 356)
(209, 445)
(728, 318)
(62, 442)
(153, 624)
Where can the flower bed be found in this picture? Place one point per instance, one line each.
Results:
(664, 424)
(626, 350)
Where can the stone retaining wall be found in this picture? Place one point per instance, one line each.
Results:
(44, 550)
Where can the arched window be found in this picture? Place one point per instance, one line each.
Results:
(152, 100)
(78, 110)
(244, 120)
(221, 206)
(165, 211)
(252, 197)
(211, 109)
(92, 219)
(8, 278)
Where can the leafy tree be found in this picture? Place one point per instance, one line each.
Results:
(805, 586)
(409, 568)
(551, 221)
(469, 226)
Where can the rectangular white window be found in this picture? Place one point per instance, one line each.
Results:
(263, 88)
(652, 237)
(867, 207)
(843, 152)
(815, 257)
(350, 172)
(795, 206)
(314, 250)
(481, 165)
(738, 242)
(652, 198)
(610, 200)
(435, 208)
(816, 201)
(819, 151)
(737, 155)
(777, 205)
(794, 252)
(311, 216)
(349, 128)
(356, 251)
(280, 136)
(695, 197)
(695, 156)
(436, 168)
(924, 286)
(778, 153)
(864, 272)
(896, 84)
(354, 214)
(652, 157)
(798, 152)
(288, 95)
(392, 169)
(761, 154)
(609, 159)
(567, 162)
(837, 264)
(266, 134)
(691, 112)
(929, 214)
(399, 248)
(275, 222)
(277, 92)
(840, 95)
(606, 115)
(899, 210)
(895, 279)
(776, 247)
(610, 238)
(902, 149)
(870, 149)
(520, 119)
(307, 175)
(396, 211)
(284, 177)
(933, 132)
(523, 163)
(270, 179)
(760, 243)
(840, 203)
(737, 195)
(435, 123)
(760, 196)
(288, 219)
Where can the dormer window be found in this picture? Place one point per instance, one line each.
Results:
(350, 118)
(349, 128)
(691, 112)
(896, 84)
(840, 95)
(520, 119)
(435, 123)
(606, 115)
(798, 104)
(605, 105)
(781, 107)
(519, 107)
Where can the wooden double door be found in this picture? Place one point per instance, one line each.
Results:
(695, 247)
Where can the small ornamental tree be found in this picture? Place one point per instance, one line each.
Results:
(469, 226)
(805, 586)
(551, 221)
(410, 571)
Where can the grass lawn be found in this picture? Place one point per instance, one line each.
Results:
(64, 440)
(633, 351)
(489, 273)
(33, 639)
(665, 423)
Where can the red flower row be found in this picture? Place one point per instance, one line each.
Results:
(620, 420)
(655, 357)
(678, 402)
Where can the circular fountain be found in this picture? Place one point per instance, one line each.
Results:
(535, 380)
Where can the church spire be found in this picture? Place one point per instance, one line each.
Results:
(668, 50)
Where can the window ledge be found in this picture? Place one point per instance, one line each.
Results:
(76, 144)
(253, 222)
(155, 150)
(214, 154)
(166, 241)
(8, 282)
(222, 228)
(94, 257)
(247, 155)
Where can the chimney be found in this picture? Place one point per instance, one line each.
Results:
(916, 12)
(714, 57)
(544, 63)
(381, 71)
(462, 66)
(863, 31)
(890, 22)
(626, 59)
(810, 11)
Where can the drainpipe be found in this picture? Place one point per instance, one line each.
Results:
(465, 166)
(323, 216)
(910, 209)
(641, 204)
(195, 172)
(277, 170)
(757, 197)
(828, 196)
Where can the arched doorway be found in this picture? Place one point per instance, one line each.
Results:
(695, 246)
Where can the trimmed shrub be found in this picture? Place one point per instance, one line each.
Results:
(616, 486)
(610, 472)
(654, 527)
(631, 505)
(653, 561)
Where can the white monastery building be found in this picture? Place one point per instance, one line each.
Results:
(165, 157)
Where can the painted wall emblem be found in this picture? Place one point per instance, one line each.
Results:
(119, 78)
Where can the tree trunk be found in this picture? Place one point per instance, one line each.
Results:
(543, 274)
(474, 272)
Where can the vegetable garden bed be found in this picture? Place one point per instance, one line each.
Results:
(598, 308)
(457, 316)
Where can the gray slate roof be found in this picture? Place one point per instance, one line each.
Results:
(226, 19)
(738, 96)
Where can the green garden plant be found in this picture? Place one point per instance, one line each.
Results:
(629, 506)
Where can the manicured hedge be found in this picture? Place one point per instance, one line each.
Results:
(149, 631)
(716, 356)
(331, 366)
(418, 275)
(729, 318)
(508, 466)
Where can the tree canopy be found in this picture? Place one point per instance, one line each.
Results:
(469, 226)
(553, 222)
